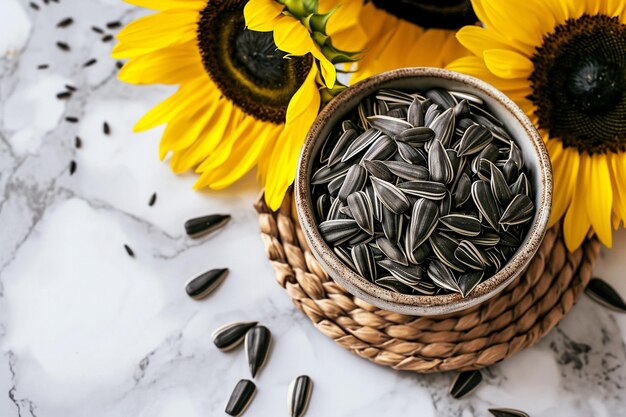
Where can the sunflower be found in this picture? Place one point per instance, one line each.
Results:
(246, 98)
(408, 33)
(564, 63)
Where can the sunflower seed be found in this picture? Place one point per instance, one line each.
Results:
(390, 195)
(354, 181)
(444, 248)
(439, 165)
(425, 189)
(204, 225)
(390, 126)
(392, 224)
(462, 191)
(515, 154)
(345, 256)
(407, 171)
(408, 153)
(442, 276)
(469, 281)
(466, 96)
(240, 398)
(415, 114)
(340, 148)
(362, 211)
(394, 96)
(461, 109)
(391, 283)
(205, 283)
(510, 171)
(474, 140)
(335, 231)
(507, 412)
(521, 185)
(334, 212)
(326, 174)
(519, 211)
(299, 394)
(322, 205)
(416, 136)
(420, 254)
(364, 261)
(424, 218)
(499, 187)
(381, 149)
(231, 335)
(486, 203)
(443, 126)
(470, 255)
(378, 169)
(391, 251)
(432, 111)
(486, 239)
(463, 224)
(440, 97)
(153, 199)
(257, 344)
(445, 204)
(464, 383)
(601, 292)
(408, 275)
(376, 204)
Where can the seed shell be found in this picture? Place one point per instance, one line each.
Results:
(340, 230)
(204, 284)
(520, 210)
(464, 383)
(474, 140)
(486, 203)
(470, 255)
(392, 251)
(439, 164)
(390, 126)
(425, 189)
(362, 211)
(257, 343)
(379, 170)
(354, 181)
(363, 259)
(359, 144)
(231, 335)
(507, 412)
(601, 292)
(469, 281)
(424, 218)
(443, 126)
(299, 394)
(341, 146)
(390, 195)
(204, 225)
(240, 398)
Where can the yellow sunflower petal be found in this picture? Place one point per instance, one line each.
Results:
(508, 64)
(475, 66)
(577, 224)
(478, 39)
(168, 4)
(619, 172)
(329, 72)
(600, 198)
(565, 172)
(613, 7)
(291, 37)
(262, 15)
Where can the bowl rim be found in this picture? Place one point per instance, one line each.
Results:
(421, 304)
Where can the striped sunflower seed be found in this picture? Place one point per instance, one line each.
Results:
(470, 255)
(521, 185)
(240, 398)
(354, 181)
(604, 294)
(335, 185)
(507, 412)
(469, 281)
(335, 231)
(231, 335)
(519, 211)
(445, 204)
(392, 224)
(391, 283)
(362, 211)
(407, 171)
(416, 136)
(390, 126)
(424, 189)
(463, 224)
(510, 171)
(432, 111)
(363, 259)
(415, 114)
(345, 256)
(408, 275)
(326, 174)
(322, 205)
(359, 144)
(419, 255)
(443, 126)
(391, 251)
(382, 148)
(441, 97)
(424, 218)
(442, 276)
(390, 195)
(499, 187)
(444, 248)
(341, 147)
(378, 169)
(474, 140)
(299, 394)
(462, 190)
(409, 154)
(486, 203)
(464, 383)
(439, 164)
(334, 212)
(257, 344)
(486, 239)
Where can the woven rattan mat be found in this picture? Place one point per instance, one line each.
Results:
(491, 332)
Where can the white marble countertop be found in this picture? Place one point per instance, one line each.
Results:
(86, 330)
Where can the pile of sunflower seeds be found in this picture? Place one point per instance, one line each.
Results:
(422, 193)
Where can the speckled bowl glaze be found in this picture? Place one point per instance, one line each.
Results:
(520, 128)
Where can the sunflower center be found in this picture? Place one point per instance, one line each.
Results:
(246, 65)
(579, 84)
(432, 14)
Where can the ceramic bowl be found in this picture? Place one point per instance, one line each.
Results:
(522, 131)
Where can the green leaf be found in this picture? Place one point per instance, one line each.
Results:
(301, 8)
(318, 22)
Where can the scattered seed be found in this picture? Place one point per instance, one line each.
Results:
(90, 62)
(129, 251)
(72, 167)
(231, 335)
(97, 29)
(205, 283)
(507, 412)
(119, 64)
(65, 22)
(71, 119)
(299, 395)
(70, 87)
(63, 46)
(464, 383)
(114, 25)
(240, 398)
(78, 143)
(34, 6)
(152, 200)
(200, 226)
(601, 292)
(106, 129)
(43, 66)
(107, 38)
(257, 341)
(64, 95)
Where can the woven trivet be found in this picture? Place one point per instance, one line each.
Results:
(491, 332)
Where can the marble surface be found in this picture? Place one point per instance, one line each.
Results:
(86, 330)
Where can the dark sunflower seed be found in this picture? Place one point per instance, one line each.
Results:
(240, 398)
(425, 189)
(90, 62)
(63, 46)
(129, 251)
(415, 114)
(390, 126)
(486, 203)
(257, 343)
(515, 154)
(392, 284)
(466, 96)
(486, 239)
(342, 145)
(97, 29)
(469, 281)
(363, 259)
(519, 211)
(345, 256)
(362, 211)
(442, 276)
(408, 275)
(72, 167)
(347, 125)
(443, 126)
(601, 292)
(391, 251)
(464, 383)
(231, 335)
(71, 119)
(334, 212)
(510, 171)
(299, 394)
(65, 22)
(336, 231)
(406, 171)
(444, 248)
(114, 25)
(408, 153)
(424, 218)
(440, 97)
(439, 164)
(431, 112)
(78, 143)
(392, 224)
(43, 66)
(474, 140)
(462, 224)
(328, 173)
(445, 204)
(376, 204)
(382, 148)
(107, 38)
(378, 169)
(354, 181)
(200, 226)
(499, 187)
(470, 255)
(521, 185)
(34, 6)
(359, 144)
(205, 283)
(420, 254)
(461, 109)
(390, 195)
(462, 190)
(335, 185)
(64, 95)
(507, 412)
(416, 136)
(106, 129)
